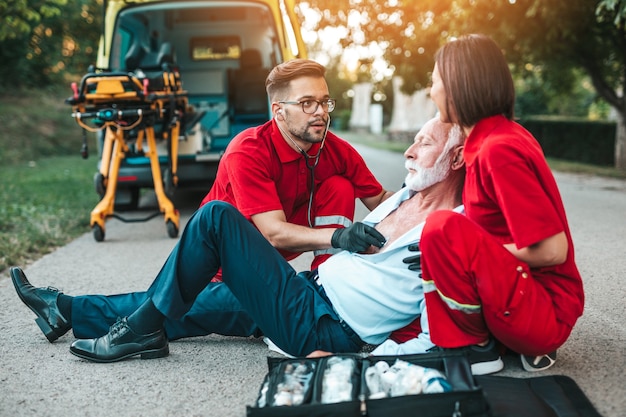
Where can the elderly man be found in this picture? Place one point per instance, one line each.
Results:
(351, 299)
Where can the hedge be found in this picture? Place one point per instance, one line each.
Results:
(591, 142)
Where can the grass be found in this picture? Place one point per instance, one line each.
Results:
(47, 193)
(43, 205)
(580, 168)
(36, 124)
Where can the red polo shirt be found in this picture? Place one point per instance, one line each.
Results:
(260, 172)
(511, 192)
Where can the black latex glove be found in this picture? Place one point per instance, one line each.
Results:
(414, 261)
(357, 238)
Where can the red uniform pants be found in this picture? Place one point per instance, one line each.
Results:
(474, 288)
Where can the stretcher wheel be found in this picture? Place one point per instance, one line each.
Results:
(98, 233)
(172, 230)
(168, 183)
(98, 182)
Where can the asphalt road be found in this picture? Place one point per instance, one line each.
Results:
(219, 376)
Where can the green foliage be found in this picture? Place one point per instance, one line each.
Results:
(341, 119)
(19, 17)
(541, 93)
(530, 95)
(338, 84)
(41, 42)
(612, 10)
(557, 34)
(574, 140)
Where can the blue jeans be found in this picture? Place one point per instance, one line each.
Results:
(287, 307)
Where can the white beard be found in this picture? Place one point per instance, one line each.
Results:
(426, 177)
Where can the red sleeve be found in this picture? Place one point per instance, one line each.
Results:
(251, 186)
(244, 176)
(523, 199)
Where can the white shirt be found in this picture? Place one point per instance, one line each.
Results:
(376, 293)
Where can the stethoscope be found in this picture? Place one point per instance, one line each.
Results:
(311, 167)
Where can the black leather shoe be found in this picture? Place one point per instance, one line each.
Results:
(122, 343)
(43, 302)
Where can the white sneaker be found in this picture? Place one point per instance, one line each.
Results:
(484, 360)
(538, 363)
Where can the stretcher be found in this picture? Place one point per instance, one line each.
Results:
(138, 109)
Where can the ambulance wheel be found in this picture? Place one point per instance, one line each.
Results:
(98, 233)
(172, 230)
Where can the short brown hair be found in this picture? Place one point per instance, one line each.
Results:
(476, 78)
(277, 81)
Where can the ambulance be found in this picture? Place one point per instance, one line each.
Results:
(224, 50)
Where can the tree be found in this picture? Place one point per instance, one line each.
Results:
(559, 36)
(43, 40)
(18, 17)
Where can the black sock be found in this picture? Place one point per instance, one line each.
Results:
(64, 302)
(146, 319)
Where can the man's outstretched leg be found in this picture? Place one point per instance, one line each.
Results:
(216, 310)
(90, 316)
(286, 307)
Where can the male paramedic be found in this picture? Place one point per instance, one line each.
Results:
(292, 178)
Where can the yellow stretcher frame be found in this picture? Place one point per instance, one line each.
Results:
(121, 104)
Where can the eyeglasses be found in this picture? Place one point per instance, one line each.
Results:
(311, 106)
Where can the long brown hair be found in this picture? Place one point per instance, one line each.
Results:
(277, 82)
(476, 78)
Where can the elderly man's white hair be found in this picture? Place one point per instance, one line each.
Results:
(456, 137)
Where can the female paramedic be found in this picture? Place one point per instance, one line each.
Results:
(507, 269)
